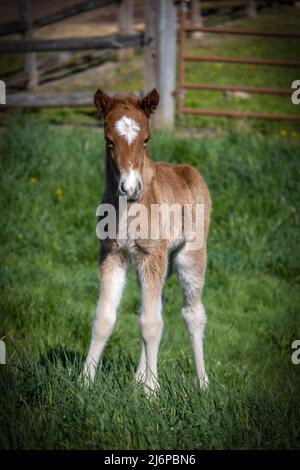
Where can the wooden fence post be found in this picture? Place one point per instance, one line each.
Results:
(251, 8)
(125, 20)
(150, 48)
(31, 69)
(196, 17)
(166, 62)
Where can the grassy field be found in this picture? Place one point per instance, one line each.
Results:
(51, 184)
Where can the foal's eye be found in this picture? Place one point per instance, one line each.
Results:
(109, 143)
(146, 141)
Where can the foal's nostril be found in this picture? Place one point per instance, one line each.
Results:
(123, 189)
(132, 192)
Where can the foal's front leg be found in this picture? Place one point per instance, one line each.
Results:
(112, 276)
(151, 275)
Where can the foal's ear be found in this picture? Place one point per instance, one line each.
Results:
(102, 102)
(150, 102)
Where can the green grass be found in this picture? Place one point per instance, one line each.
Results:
(51, 184)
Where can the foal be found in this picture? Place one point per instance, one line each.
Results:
(132, 174)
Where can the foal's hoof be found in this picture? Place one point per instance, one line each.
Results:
(87, 378)
(140, 377)
(151, 390)
(150, 387)
(204, 382)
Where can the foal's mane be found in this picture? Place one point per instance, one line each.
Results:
(127, 101)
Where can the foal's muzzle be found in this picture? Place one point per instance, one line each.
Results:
(132, 192)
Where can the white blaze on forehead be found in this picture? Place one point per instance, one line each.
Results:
(128, 128)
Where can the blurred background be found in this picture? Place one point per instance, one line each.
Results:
(207, 58)
(224, 70)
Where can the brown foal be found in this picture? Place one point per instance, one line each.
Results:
(132, 174)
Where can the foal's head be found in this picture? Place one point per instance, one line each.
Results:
(126, 127)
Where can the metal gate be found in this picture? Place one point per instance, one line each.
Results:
(186, 26)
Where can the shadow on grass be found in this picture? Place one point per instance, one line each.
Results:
(69, 359)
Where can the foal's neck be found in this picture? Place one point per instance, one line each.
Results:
(110, 180)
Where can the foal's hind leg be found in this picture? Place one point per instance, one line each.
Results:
(190, 266)
(140, 374)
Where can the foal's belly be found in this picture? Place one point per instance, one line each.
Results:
(137, 248)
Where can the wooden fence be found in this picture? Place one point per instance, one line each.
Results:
(158, 41)
(159, 44)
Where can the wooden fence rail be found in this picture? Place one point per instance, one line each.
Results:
(12, 27)
(41, 100)
(242, 60)
(19, 26)
(244, 32)
(113, 41)
(245, 89)
(243, 114)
